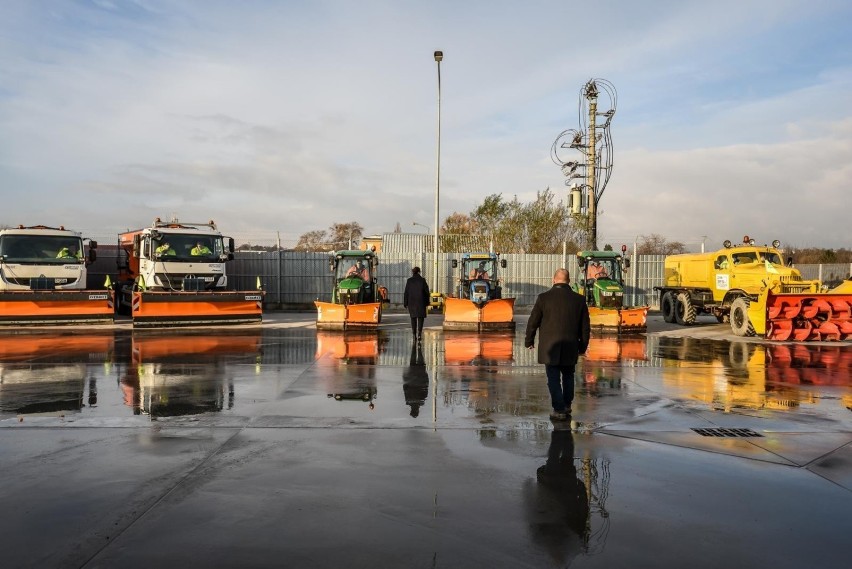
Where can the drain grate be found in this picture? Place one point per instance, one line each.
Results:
(727, 432)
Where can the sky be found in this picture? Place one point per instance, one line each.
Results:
(275, 118)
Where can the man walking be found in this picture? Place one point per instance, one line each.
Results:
(416, 299)
(563, 317)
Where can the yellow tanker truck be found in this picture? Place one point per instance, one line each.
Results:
(754, 289)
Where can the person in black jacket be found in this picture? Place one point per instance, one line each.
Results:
(416, 299)
(563, 317)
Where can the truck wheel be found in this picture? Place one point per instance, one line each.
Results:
(667, 306)
(740, 324)
(684, 310)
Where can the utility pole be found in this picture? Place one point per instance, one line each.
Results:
(595, 167)
(592, 220)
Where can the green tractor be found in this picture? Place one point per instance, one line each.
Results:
(599, 279)
(356, 298)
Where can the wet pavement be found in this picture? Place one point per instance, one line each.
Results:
(284, 446)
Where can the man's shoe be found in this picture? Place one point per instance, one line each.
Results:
(557, 416)
(568, 410)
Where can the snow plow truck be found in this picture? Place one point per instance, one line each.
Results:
(478, 304)
(43, 278)
(173, 274)
(357, 300)
(756, 291)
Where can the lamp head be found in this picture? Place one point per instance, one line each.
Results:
(439, 55)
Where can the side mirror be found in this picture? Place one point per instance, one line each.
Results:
(455, 264)
(503, 263)
(331, 265)
(230, 244)
(581, 262)
(790, 261)
(626, 263)
(93, 244)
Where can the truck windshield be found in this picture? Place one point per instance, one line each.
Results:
(188, 247)
(745, 257)
(773, 258)
(41, 249)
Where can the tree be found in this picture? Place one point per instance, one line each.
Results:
(459, 224)
(250, 247)
(490, 214)
(313, 241)
(537, 227)
(342, 235)
(656, 244)
(813, 255)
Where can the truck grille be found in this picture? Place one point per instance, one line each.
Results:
(27, 282)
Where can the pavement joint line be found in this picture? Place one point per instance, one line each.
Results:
(828, 453)
(622, 435)
(159, 500)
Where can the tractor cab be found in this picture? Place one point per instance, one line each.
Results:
(478, 280)
(354, 277)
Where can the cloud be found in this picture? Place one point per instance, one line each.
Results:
(288, 117)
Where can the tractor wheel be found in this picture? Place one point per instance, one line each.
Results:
(667, 307)
(740, 324)
(684, 310)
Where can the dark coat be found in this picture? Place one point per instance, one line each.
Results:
(563, 317)
(416, 296)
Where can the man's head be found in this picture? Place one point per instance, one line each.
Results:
(199, 244)
(415, 271)
(561, 276)
(482, 265)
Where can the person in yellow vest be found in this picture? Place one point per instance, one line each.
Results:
(165, 250)
(69, 252)
(200, 250)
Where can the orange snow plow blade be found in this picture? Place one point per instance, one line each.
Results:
(29, 347)
(619, 320)
(56, 307)
(462, 314)
(152, 309)
(473, 348)
(803, 317)
(332, 316)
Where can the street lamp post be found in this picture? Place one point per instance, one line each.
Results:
(439, 55)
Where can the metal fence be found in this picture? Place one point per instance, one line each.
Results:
(294, 279)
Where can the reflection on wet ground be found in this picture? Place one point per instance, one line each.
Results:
(443, 450)
(175, 374)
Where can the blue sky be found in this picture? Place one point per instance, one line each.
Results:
(283, 117)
